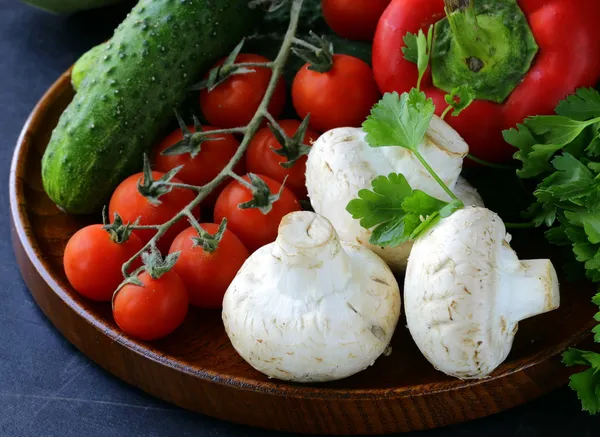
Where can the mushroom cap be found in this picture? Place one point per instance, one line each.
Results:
(299, 318)
(341, 163)
(461, 283)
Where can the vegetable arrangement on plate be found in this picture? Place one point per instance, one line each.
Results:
(296, 206)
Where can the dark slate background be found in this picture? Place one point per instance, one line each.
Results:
(47, 388)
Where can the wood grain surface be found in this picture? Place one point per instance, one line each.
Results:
(196, 367)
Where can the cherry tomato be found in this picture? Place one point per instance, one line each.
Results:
(354, 19)
(205, 166)
(341, 97)
(153, 310)
(261, 159)
(251, 226)
(130, 204)
(207, 275)
(92, 261)
(234, 102)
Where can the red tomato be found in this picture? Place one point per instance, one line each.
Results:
(205, 166)
(93, 261)
(234, 102)
(252, 227)
(207, 275)
(153, 310)
(261, 159)
(130, 204)
(354, 19)
(342, 97)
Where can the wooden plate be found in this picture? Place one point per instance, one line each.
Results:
(196, 367)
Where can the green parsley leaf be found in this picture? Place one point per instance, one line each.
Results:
(556, 129)
(422, 203)
(451, 208)
(399, 120)
(424, 44)
(594, 166)
(591, 226)
(460, 98)
(417, 49)
(592, 275)
(557, 236)
(541, 213)
(596, 332)
(395, 232)
(572, 182)
(584, 251)
(383, 203)
(399, 213)
(427, 209)
(592, 266)
(594, 148)
(582, 105)
(540, 137)
(534, 156)
(586, 383)
(410, 49)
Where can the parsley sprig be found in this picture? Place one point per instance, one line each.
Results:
(560, 152)
(398, 212)
(395, 211)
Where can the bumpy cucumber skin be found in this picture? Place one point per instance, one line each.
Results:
(128, 97)
(84, 64)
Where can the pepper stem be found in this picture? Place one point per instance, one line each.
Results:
(474, 41)
(487, 44)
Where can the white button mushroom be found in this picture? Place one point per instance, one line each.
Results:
(341, 163)
(309, 308)
(466, 290)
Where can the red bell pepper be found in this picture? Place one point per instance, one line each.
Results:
(563, 55)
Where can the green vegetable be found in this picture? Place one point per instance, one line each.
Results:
(586, 383)
(458, 100)
(399, 212)
(399, 120)
(85, 64)
(128, 97)
(417, 49)
(560, 152)
(69, 6)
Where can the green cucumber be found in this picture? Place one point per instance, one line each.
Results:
(128, 97)
(69, 6)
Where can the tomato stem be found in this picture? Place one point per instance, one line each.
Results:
(305, 44)
(241, 180)
(195, 224)
(179, 185)
(249, 131)
(208, 133)
(141, 227)
(254, 64)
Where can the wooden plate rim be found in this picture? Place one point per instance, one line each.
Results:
(21, 222)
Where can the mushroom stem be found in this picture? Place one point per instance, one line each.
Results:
(533, 290)
(306, 240)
